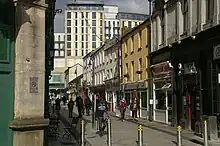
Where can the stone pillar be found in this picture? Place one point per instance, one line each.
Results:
(29, 122)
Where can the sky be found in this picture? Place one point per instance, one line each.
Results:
(136, 6)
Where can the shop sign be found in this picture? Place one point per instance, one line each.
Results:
(134, 86)
(161, 69)
(216, 52)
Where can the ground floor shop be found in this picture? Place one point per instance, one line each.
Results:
(185, 80)
(141, 88)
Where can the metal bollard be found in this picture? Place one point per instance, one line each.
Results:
(83, 133)
(109, 138)
(179, 136)
(140, 135)
(205, 134)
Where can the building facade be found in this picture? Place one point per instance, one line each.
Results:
(184, 62)
(112, 78)
(130, 20)
(87, 73)
(112, 26)
(57, 80)
(98, 71)
(135, 64)
(84, 29)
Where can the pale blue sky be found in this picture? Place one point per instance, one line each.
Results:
(136, 6)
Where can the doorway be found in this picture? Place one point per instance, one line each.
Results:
(191, 101)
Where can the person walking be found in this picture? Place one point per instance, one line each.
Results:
(88, 105)
(57, 104)
(79, 104)
(70, 107)
(123, 105)
(135, 106)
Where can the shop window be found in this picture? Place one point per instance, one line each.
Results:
(144, 99)
(160, 100)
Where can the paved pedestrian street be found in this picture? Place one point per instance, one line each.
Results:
(125, 134)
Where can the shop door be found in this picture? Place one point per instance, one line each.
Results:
(7, 84)
(191, 103)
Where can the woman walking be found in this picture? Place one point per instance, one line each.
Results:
(135, 106)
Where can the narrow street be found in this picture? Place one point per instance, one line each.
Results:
(125, 134)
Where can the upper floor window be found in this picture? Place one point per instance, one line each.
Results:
(101, 16)
(185, 15)
(68, 14)
(162, 27)
(129, 24)
(76, 15)
(93, 15)
(209, 10)
(87, 14)
(68, 23)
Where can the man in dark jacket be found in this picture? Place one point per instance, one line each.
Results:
(70, 107)
(88, 105)
(79, 104)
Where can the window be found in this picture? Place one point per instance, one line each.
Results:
(87, 30)
(58, 37)
(144, 99)
(68, 14)
(62, 53)
(68, 44)
(56, 46)
(105, 24)
(185, 16)
(82, 53)
(118, 23)
(101, 37)
(136, 23)
(101, 16)
(101, 22)
(129, 24)
(82, 14)
(76, 16)
(93, 22)
(132, 43)
(87, 51)
(132, 71)
(56, 53)
(209, 10)
(101, 31)
(76, 53)
(68, 52)
(76, 46)
(82, 37)
(82, 44)
(93, 30)
(76, 30)
(140, 68)
(82, 29)
(82, 22)
(87, 37)
(93, 38)
(87, 14)
(123, 23)
(113, 23)
(140, 39)
(87, 45)
(109, 24)
(93, 15)
(76, 23)
(93, 44)
(68, 29)
(68, 37)
(76, 37)
(68, 23)
(126, 71)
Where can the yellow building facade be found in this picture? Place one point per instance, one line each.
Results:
(135, 64)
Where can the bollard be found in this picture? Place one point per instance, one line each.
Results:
(83, 133)
(179, 136)
(140, 135)
(205, 134)
(109, 138)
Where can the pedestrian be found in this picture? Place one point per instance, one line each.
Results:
(79, 104)
(88, 105)
(57, 104)
(135, 106)
(70, 107)
(64, 100)
(123, 105)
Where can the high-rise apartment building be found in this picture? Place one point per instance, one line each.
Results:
(84, 29)
(111, 22)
